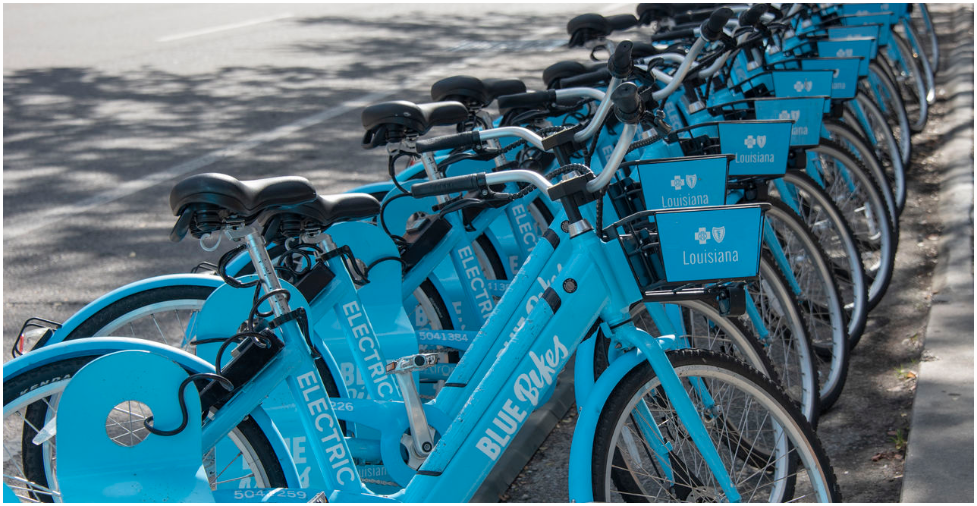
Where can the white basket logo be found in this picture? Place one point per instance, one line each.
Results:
(719, 233)
(845, 53)
(678, 183)
(703, 235)
(791, 115)
(691, 180)
(800, 86)
(760, 140)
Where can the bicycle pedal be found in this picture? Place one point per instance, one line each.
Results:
(412, 363)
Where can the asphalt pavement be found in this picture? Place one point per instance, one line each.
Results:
(106, 107)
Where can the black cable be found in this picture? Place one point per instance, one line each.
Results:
(593, 142)
(379, 260)
(183, 404)
(600, 212)
(391, 160)
(255, 312)
(383, 208)
(570, 167)
(222, 269)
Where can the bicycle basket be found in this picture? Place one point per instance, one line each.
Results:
(682, 248)
(849, 48)
(755, 147)
(760, 148)
(855, 30)
(806, 113)
(844, 72)
(684, 182)
(844, 79)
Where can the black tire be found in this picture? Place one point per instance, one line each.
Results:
(611, 469)
(849, 138)
(879, 255)
(92, 326)
(791, 352)
(495, 268)
(35, 413)
(827, 325)
(897, 116)
(913, 84)
(837, 240)
(888, 147)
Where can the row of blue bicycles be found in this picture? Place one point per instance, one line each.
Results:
(698, 221)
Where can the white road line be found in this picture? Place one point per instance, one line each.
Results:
(215, 29)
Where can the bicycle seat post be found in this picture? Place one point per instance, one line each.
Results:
(431, 169)
(486, 119)
(263, 265)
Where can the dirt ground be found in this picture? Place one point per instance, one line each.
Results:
(866, 432)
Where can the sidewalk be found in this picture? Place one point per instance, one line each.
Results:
(940, 456)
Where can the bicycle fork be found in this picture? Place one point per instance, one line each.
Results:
(689, 417)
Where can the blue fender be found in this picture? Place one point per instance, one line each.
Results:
(582, 446)
(132, 288)
(105, 345)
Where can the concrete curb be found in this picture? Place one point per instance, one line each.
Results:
(940, 453)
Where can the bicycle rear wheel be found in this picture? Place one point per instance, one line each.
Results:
(30, 469)
(642, 451)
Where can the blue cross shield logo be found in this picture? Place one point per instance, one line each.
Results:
(719, 233)
(691, 179)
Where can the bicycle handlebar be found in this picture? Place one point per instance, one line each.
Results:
(463, 140)
(712, 28)
(586, 80)
(673, 35)
(752, 16)
(455, 184)
(621, 64)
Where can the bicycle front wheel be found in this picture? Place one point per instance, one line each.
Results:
(643, 451)
(829, 227)
(865, 116)
(810, 276)
(887, 96)
(781, 329)
(857, 195)
(910, 79)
